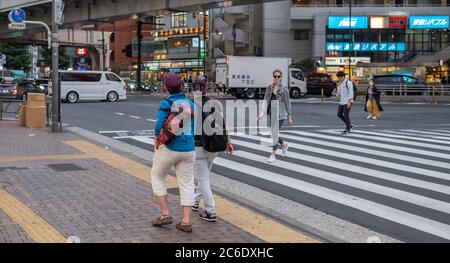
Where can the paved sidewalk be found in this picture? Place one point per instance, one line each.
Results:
(53, 186)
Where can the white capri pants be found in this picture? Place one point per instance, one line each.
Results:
(183, 162)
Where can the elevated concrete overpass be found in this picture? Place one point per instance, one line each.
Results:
(80, 12)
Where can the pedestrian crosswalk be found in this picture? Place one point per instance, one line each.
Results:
(396, 182)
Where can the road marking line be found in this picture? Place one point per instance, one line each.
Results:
(35, 226)
(152, 120)
(43, 157)
(409, 137)
(254, 223)
(407, 219)
(432, 132)
(373, 136)
(360, 169)
(369, 151)
(120, 113)
(421, 135)
(134, 117)
(101, 132)
(373, 144)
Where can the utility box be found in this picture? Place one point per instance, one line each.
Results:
(36, 99)
(36, 116)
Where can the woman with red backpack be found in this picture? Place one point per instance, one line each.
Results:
(174, 147)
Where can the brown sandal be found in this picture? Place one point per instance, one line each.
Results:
(184, 228)
(162, 221)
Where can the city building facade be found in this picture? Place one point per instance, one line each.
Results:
(410, 36)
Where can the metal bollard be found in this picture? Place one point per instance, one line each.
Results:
(321, 95)
(433, 100)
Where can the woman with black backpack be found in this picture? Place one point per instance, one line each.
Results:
(207, 146)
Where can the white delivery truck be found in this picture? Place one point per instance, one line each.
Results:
(248, 77)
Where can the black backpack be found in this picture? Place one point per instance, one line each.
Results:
(214, 142)
(355, 89)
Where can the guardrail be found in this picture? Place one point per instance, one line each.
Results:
(432, 93)
(13, 107)
(9, 106)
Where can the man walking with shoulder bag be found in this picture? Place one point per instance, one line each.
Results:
(345, 91)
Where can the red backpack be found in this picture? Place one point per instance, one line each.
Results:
(174, 122)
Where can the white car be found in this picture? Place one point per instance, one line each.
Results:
(90, 85)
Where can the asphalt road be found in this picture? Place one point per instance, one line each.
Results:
(391, 175)
(139, 113)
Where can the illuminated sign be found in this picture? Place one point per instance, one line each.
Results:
(206, 27)
(81, 52)
(365, 46)
(398, 21)
(429, 22)
(340, 22)
(195, 42)
(342, 61)
(377, 22)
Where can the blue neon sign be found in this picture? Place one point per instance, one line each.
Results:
(428, 22)
(342, 22)
(365, 46)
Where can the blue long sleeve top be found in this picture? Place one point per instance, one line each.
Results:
(185, 141)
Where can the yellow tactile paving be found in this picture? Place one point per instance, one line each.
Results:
(117, 161)
(43, 157)
(34, 225)
(257, 224)
(254, 223)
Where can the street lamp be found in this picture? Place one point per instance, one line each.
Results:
(350, 40)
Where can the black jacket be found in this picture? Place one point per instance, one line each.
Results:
(376, 95)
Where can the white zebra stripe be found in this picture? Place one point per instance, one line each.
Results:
(404, 137)
(370, 151)
(409, 143)
(407, 219)
(374, 144)
(359, 169)
(363, 185)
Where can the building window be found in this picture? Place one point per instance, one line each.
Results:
(301, 34)
(159, 22)
(179, 19)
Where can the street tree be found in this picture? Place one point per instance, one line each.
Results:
(17, 57)
(306, 65)
(64, 58)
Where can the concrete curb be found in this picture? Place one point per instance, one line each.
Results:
(307, 220)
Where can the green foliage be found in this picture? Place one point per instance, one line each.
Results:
(64, 59)
(17, 57)
(306, 65)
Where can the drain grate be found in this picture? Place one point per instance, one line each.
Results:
(65, 167)
(12, 168)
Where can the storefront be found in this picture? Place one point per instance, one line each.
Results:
(184, 53)
(155, 70)
(384, 39)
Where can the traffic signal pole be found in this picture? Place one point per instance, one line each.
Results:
(139, 62)
(56, 92)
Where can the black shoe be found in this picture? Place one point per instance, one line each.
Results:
(344, 132)
(351, 126)
(207, 216)
(196, 207)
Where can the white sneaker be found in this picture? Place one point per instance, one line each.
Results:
(374, 118)
(284, 149)
(369, 117)
(271, 158)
